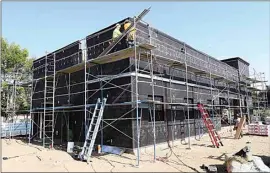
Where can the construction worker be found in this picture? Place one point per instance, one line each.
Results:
(116, 32)
(130, 35)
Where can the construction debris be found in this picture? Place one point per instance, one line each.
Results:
(243, 161)
(38, 158)
(238, 164)
(209, 169)
(12, 157)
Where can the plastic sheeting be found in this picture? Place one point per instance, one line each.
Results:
(15, 129)
(257, 165)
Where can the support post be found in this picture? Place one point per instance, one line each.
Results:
(187, 91)
(153, 93)
(83, 48)
(31, 108)
(69, 101)
(211, 92)
(44, 108)
(101, 124)
(229, 107)
(172, 112)
(154, 106)
(54, 86)
(41, 125)
(136, 98)
(239, 94)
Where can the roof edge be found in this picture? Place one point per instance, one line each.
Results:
(235, 58)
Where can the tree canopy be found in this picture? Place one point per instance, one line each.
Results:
(15, 68)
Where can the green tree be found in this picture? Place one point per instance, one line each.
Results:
(15, 66)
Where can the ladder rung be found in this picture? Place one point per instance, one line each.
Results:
(48, 125)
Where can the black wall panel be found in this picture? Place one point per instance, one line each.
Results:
(111, 135)
(166, 130)
(100, 40)
(68, 56)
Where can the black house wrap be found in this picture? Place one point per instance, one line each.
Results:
(169, 87)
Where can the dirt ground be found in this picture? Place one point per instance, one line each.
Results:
(37, 159)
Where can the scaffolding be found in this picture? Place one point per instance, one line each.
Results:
(12, 109)
(258, 87)
(220, 79)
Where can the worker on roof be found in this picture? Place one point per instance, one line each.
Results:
(131, 34)
(116, 32)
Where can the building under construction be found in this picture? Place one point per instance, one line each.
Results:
(152, 89)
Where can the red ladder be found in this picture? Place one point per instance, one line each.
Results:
(214, 136)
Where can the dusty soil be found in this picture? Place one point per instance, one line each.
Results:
(34, 158)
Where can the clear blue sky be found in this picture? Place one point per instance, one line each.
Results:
(220, 29)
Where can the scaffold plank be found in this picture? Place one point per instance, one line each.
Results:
(112, 57)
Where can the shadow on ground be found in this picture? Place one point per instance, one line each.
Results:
(220, 158)
(203, 145)
(40, 144)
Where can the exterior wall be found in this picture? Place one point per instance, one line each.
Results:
(168, 48)
(169, 120)
(170, 130)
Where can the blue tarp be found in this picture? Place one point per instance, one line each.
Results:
(112, 150)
